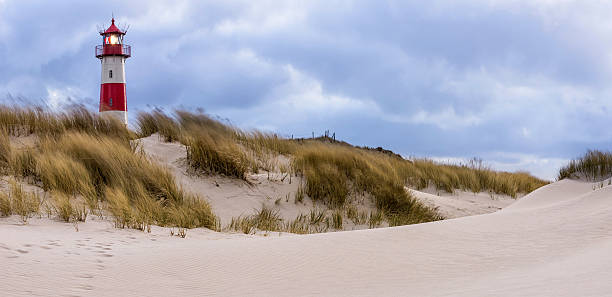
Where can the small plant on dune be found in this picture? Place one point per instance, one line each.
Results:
(63, 207)
(317, 216)
(264, 219)
(355, 216)
(337, 220)
(299, 195)
(268, 219)
(79, 214)
(182, 232)
(5, 205)
(68, 210)
(242, 224)
(298, 226)
(25, 204)
(375, 219)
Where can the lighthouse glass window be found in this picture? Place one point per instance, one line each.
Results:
(111, 39)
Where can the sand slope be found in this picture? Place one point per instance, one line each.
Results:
(462, 203)
(553, 242)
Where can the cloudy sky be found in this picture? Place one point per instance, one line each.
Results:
(524, 85)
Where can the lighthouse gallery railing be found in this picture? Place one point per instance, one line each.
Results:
(113, 50)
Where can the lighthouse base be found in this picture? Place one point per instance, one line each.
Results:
(116, 114)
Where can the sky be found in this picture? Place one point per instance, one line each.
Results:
(523, 85)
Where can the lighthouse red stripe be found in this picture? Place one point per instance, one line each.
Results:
(116, 92)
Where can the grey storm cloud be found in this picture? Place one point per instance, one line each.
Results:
(523, 84)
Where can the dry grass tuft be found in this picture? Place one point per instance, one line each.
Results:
(5, 205)
(594, 165)
(19, 202)
(158, 122)
(334, 171)
(337, 220)
(214, 153)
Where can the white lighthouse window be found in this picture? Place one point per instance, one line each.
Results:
(110, 102)
(110, 74)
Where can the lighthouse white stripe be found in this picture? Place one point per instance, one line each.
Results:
(119, 115)
(117, 66)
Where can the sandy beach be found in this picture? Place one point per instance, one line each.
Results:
(552, 242)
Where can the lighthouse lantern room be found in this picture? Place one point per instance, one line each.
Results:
(112, 54)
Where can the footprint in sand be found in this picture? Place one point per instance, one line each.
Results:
(53, 243)
(85, 275)
(85, 287)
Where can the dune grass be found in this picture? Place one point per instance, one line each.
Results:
(23, 121)
(138, 191)
(333, 170)
(81, 156)
(473, 176)
(594, 165)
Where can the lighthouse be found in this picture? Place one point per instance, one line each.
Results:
(112, 54)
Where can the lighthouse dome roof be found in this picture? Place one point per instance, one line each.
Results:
(112, 29)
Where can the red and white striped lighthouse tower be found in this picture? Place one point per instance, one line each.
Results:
(112, 53)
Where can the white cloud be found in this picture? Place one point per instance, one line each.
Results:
(445, 119)
(264, 18)
(58, 98)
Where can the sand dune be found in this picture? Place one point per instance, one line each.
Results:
(231, 197)
(553, 242)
